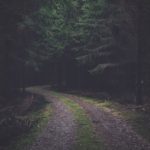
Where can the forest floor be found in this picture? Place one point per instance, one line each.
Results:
(81, 123)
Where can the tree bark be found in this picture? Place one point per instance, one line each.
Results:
(139, 93)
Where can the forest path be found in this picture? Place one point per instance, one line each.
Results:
(59, 134)
(115, 132)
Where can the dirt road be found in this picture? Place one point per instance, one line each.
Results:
(60, 133)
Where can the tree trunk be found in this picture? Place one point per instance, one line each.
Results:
(139, 81)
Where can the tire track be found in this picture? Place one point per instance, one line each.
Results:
(60, 133)
(116, 133)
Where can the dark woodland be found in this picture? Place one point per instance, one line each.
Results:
(97, 47)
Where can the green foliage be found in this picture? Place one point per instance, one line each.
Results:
(108, 36)
(99, 36)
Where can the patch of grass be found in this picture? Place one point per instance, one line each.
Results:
(85, 136)
(140, 122)
(40, 116)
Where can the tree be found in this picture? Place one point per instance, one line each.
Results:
(110, 40)
(143, 46)
(12, 48)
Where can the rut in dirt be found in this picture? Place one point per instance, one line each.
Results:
(115, 132)
(61, 128)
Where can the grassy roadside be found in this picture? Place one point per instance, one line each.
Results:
(85, 135)
(39, 116)
(137, 118)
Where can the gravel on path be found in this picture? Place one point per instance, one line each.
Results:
(60, 133)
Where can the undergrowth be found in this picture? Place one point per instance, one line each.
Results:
(25, 128)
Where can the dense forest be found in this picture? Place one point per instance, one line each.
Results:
(99, 45)
(74, 74)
